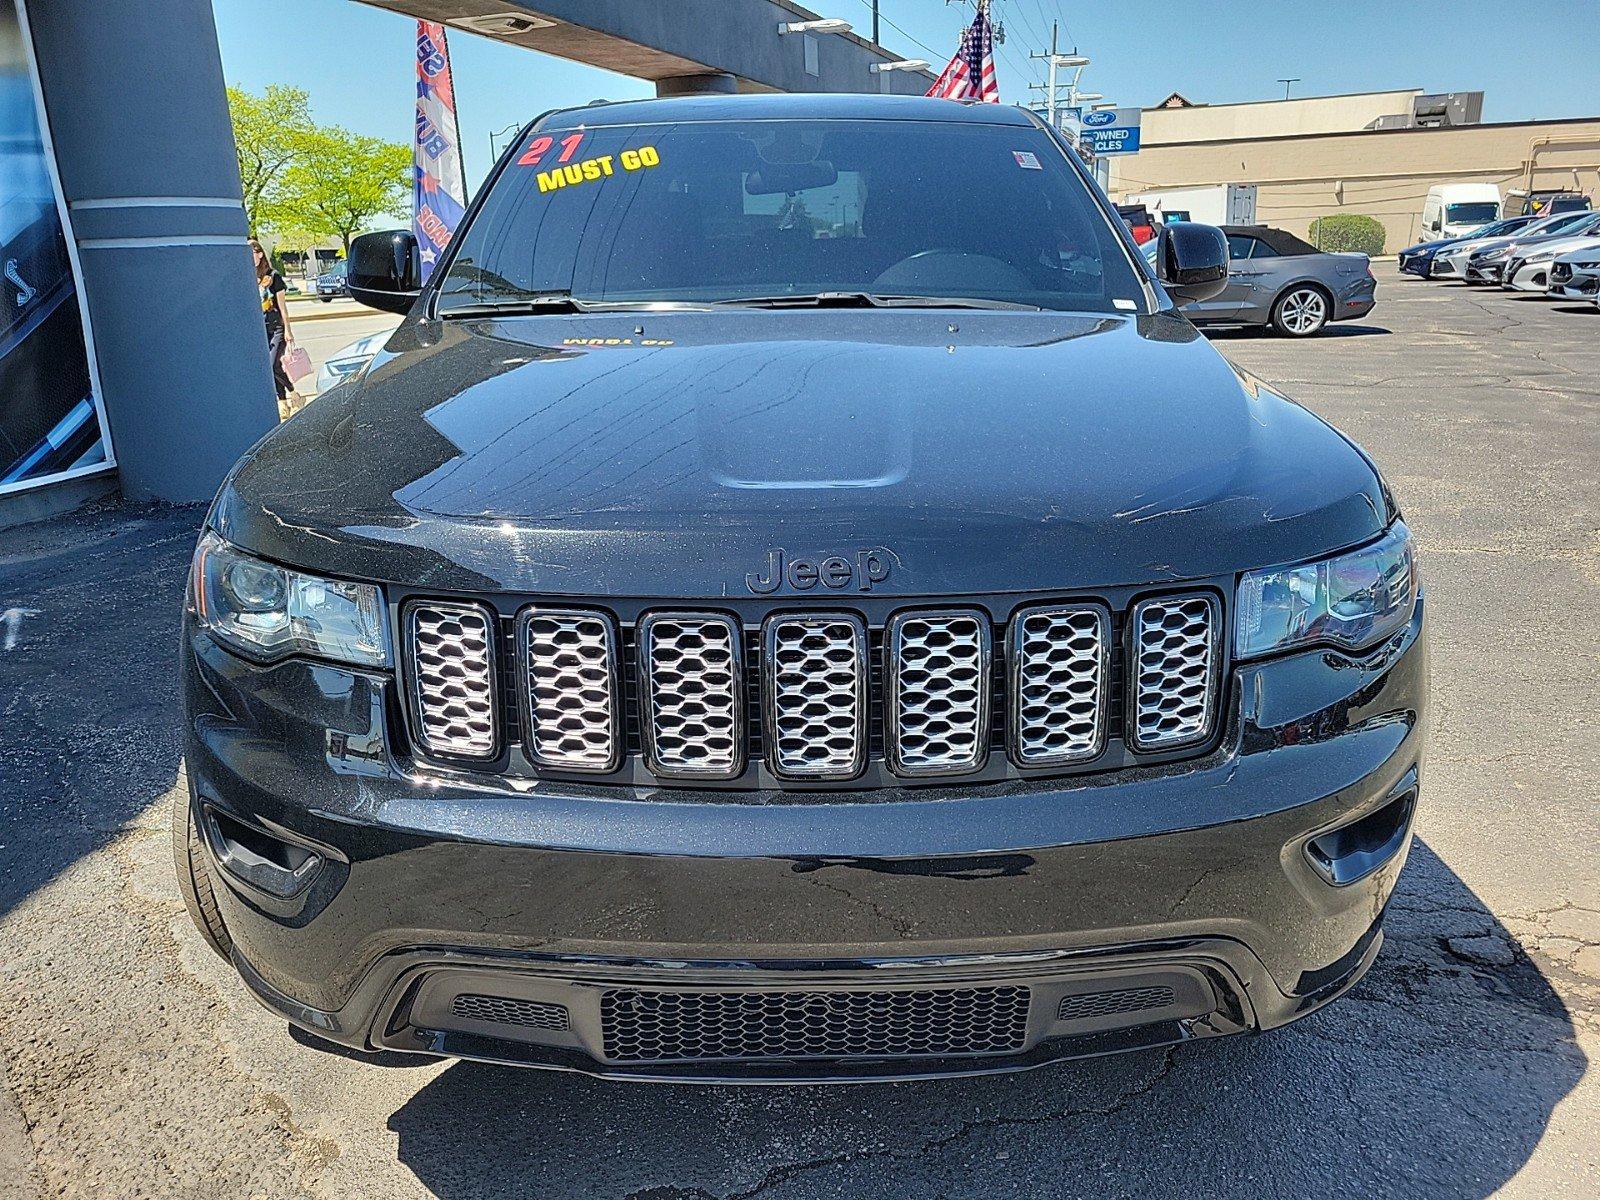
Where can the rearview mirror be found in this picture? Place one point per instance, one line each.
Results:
(1192, 261)
(385, 270)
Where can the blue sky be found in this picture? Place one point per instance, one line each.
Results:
(1531, 60)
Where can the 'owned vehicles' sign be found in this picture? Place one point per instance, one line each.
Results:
(1106, 130)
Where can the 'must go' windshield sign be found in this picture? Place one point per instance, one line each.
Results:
(1105, 130)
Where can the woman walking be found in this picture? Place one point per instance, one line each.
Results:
(276, 314)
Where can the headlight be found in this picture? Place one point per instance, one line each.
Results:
(1540, 256)
(267, 612)
(1352, 601)
(1491, 255)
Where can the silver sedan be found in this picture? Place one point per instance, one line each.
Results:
(1276, 279)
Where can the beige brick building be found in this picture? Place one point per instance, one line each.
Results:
(1313, 157)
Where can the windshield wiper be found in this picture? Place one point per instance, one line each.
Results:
(514, 304)
(872, 300)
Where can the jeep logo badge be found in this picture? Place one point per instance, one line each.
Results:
(868, 568)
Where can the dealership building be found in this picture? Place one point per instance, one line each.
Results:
(1374, 153)
(132, 350)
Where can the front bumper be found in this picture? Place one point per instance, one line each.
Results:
(1234, 892)
(1485, 272)
(1522, 276)
(1581, 285)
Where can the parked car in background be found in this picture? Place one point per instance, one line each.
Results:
(1139, 222)
(1544, 204)
(1527, 267)
(1575, 275)
(1418, 259)
(331, 283)
(1456, 209)
(1277, 279)
(347, 361)
(1453, 262)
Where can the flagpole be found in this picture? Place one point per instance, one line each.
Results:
(455, 110)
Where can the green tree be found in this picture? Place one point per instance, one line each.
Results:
(338, 181)
(268, 133)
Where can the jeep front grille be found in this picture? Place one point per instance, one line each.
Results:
(1060, 665)
(812, 697)
(692, 684)
(1176, 649)
(937, 692)
(816, 696)
(567, 661)
(451, 651)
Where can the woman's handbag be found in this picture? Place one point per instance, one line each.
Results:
(296, 363)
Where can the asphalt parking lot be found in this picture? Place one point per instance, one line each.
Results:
(132, 1063)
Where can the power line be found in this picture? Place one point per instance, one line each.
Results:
(882, 16)
(939, 55)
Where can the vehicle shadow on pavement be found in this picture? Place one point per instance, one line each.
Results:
(1436, 1076)
(1233, 333)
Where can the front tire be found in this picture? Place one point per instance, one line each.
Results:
(194, 878)
(1302, 311)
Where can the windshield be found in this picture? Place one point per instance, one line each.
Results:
(1554, 224)
(1471, 214)
(729, 211)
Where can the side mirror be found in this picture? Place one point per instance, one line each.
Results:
(385, 270)
(1192, 261)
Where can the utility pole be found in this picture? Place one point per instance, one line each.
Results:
(875, 41)
(1050, 101)
(1056, 59)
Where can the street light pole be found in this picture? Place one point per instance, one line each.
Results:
(1286, 83)
(494, 152)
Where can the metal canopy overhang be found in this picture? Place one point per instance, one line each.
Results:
(676, 40)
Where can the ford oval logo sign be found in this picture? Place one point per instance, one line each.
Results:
(1096, 119)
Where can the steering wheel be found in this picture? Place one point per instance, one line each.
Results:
(960, 271)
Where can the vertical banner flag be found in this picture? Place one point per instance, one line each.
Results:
(970, 74)
(439, 193)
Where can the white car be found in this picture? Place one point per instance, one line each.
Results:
(1575, 275)
(346, 362)
(1451, 263)
(1528, 268)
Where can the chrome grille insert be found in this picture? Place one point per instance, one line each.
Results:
(568, 685)
(450, 648)
(692, 693)
(1177, 649)
(815, 680)
(937, 700)
(1060, 668)
(640, 1025)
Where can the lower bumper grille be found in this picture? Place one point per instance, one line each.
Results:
(504, 1010)
(679, 1026)
(1091, 1005)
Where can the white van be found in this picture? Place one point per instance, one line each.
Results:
(1456, 209)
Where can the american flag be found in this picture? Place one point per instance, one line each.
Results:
(970, 75)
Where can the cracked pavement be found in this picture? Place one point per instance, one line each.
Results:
(132, 1064)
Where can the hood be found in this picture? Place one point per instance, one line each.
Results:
(669, 454)
(1564, 245)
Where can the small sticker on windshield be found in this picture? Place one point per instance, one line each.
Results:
(1026, 160)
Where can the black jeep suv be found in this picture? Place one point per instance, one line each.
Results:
(795, 601)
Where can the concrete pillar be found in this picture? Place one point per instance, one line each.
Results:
(139, 122)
